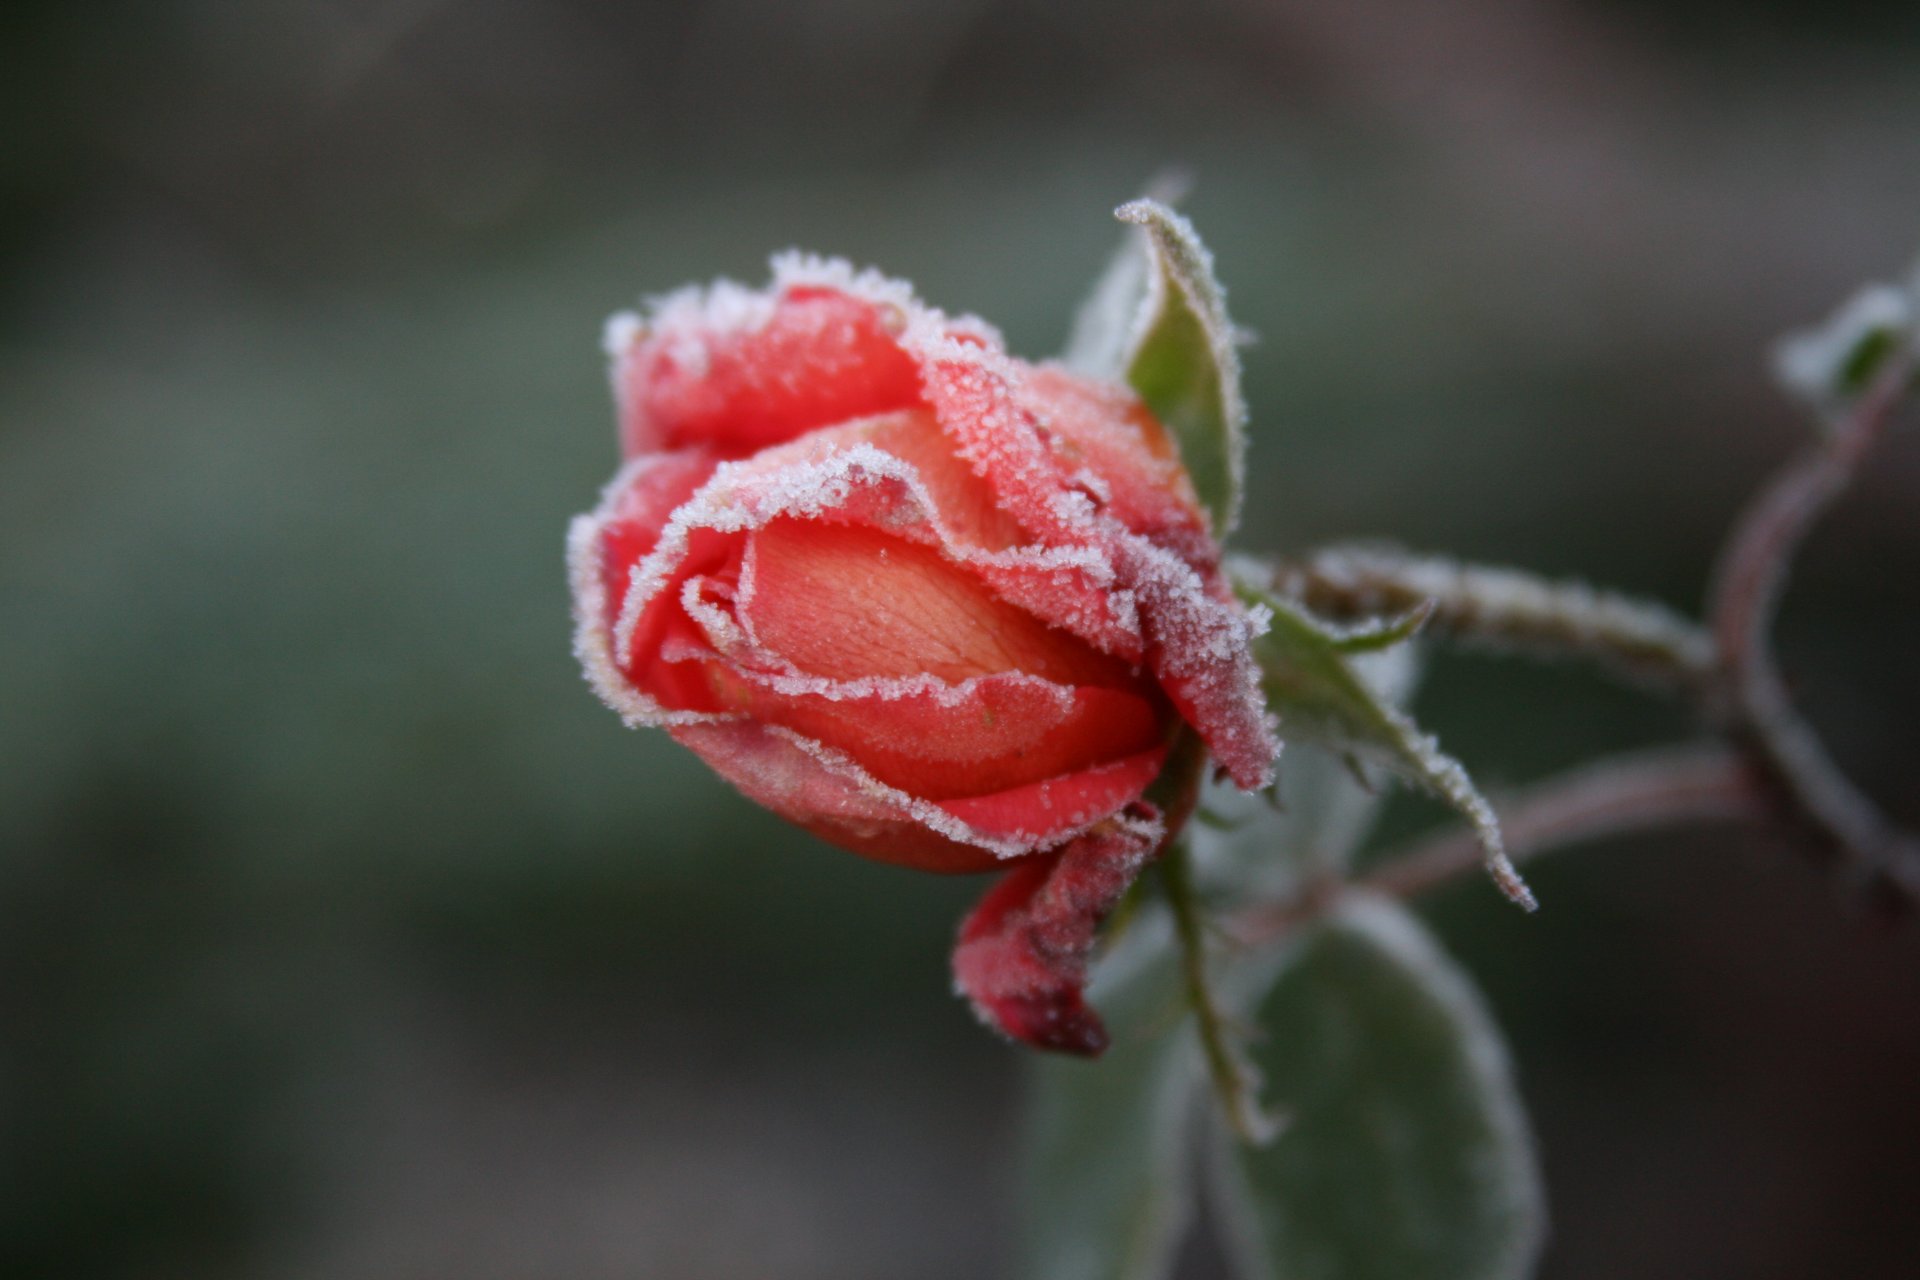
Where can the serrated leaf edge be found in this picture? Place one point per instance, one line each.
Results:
(1426, 764)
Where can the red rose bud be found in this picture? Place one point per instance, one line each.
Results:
(936, 605)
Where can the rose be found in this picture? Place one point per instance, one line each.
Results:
(935, 605)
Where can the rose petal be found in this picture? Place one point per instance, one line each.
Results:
(1199, 643)
(851, 602)
(1200, 646)
(825, 792)
(1022, 956)
(738, 378)
(990, 735)
(775, 771)
(1104, 438)
(636, 514)
(1031, 812)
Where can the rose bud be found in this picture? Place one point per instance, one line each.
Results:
(937, 606)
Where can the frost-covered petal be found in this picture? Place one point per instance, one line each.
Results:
(853, 601)
(829, 794)
(989, 735)
(1022, 955)
(736, 371)
(1199, 639)
(1037, 812)
(1200, 647)
(604, 548)
(1103, 438)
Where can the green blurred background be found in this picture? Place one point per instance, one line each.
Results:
(344, 934)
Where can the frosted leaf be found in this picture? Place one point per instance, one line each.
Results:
(1317, 816)
(1181, 358)
(1498, 608)
(1408, 1156)
(1320, 696)
(1835, 360)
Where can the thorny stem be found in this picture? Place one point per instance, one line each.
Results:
(1775, 765)
(1637, 792)
(1749, 582)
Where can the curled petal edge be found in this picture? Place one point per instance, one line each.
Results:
(1021, 960)
(828, 793)
(766, 761)
(1199, 640)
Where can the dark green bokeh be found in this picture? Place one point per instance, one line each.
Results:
(342, 933)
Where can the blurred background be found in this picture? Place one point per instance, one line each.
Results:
(344, 934)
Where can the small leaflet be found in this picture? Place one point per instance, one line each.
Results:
(1311, 684)
(1831, 362)
(1158, 319)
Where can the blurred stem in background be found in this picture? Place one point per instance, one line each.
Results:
(1772, 768)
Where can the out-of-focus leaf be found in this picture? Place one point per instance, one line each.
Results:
(1158, 318)
(1405, 1153)
(1830, 363)
(1108, 1187)
(1103, 327)
(1319, 695)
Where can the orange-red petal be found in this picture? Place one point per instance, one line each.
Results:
(735, 384)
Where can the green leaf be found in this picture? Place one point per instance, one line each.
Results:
(1405, 1153)
(1158, 318)
(1108, 1189)
(1832, 362)
(1315, 688)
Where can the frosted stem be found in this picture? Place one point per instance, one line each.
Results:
(1869, 852)
(1643, 791)
(1775, 764)
(1504, 608)
(1235, 1080)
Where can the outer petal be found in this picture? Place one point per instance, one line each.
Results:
(1200, 645)
(1103, 438)
(828, 794)
(988, 735)
(1036, 813)
(1022, 955)
(736, 370)
(604, 549)
(784, 769)
(1198, 638)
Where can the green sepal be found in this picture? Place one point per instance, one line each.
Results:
(1158, 320)
(1311, 683)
